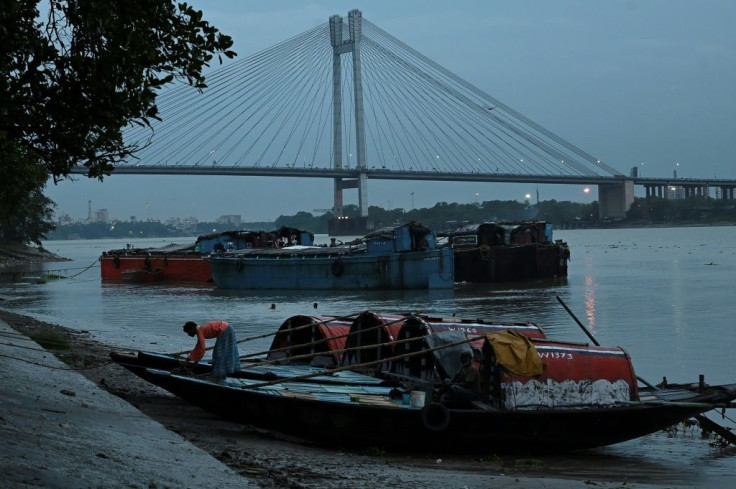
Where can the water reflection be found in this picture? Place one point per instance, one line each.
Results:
(590, 302)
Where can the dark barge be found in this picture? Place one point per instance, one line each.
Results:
(495, 252)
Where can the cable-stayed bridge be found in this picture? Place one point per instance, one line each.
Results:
(346, 100)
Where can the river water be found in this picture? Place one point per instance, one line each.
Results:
(664, 294)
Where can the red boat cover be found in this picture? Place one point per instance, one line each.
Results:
(371, 328)
(304, 335)
(573, 374)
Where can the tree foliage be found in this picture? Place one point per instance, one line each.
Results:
(75, 73)
(71, 80)
(694, 209)
(306, 221)
(25, 212)
(443, 215)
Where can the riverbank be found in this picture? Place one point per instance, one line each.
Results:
(59, 430)
(263, 458)
(14, 254)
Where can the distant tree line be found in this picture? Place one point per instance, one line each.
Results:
(562, 214)
(443, 214)
(702, 210)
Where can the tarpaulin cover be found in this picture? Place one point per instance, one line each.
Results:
(516, 353)
(448, 359)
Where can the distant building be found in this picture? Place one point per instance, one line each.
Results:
(189, 223)
(101, 215)
(232, 220)
(186, 224)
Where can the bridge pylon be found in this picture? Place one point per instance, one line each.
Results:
(340, 47)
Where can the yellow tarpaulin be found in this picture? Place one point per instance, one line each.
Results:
(516, 353)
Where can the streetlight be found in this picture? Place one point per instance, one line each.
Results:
(476, 198)
(412, 201)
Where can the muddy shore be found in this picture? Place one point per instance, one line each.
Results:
(274, 461)
(14, 254)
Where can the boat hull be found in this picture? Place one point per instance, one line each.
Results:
(177, 268)
(432, 269)
(143, 276)
(510, 263)
(391, 426)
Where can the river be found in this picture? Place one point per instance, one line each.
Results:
(664, 294)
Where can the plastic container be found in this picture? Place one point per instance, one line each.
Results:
(418, 398)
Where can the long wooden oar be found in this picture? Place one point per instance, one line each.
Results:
(705, 423)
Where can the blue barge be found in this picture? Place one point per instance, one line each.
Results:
(402, 257)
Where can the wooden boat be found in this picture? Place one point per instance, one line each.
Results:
(403, 257)
(586, 396)
(498, 252)
(187, 262)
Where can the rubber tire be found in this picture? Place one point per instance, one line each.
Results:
(337, 267)
(435, 416)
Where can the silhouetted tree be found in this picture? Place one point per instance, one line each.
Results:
(70, 81)
(72, 78)
(25, 212)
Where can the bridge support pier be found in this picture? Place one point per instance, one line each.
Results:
(340, 47)
(614, 199)
(337, 47)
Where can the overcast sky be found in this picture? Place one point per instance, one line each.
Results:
(636, 83)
